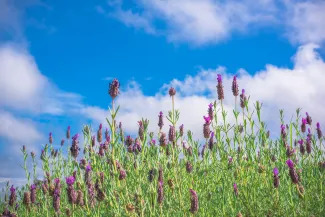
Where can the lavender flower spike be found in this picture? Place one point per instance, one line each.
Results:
(113, 89)
(207, 119)
(194, 202)
(70, 180)
(88, 167)
(290, 163)
(319, 131)
(275, 171)
(276, 178)
(220, 88)
(235, 86)
(235, 189)
(161, 120)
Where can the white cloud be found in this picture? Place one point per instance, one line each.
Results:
(25, 93)
(210, 21)
(21, 80)
(24, 88)
(306, 21)
(194, 21)
(18, 130)
(277, 88)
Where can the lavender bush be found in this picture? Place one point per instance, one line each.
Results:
(232, 170)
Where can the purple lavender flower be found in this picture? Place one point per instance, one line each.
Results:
(88, 174)
(160, 175)
(243, 99)
(303, 125)
(319, 131)
(153, 142)
(151, 175)
(50, 138)
(12, 198)
(171, 133)
(194, 202)
(308, 145)
(113, 89)
(162, 140)
(210, 111)
(122, 174)
(160, 193)
(275, 171)
(75, 137)
(203, 150)
(189, 167)
(88, 167)
(80, 198)
(220, 88)
(229, 161)
(74, 149)
(235, 189)
(128, 141)
(99, 134)
(93, 141)
(181, 130)
(301, 146)
(26, 200)
(276, 178)
(211, 142)
(290, 163)
(172, 91)
(292, 172)
(33, 193)
(290, 152)
(70, 180)
(161, 120)
(56, 195)
(101, 150)
(141, 130)
(91, 194)
(72, 194)
(137, 146)
(206, 127)
(207, 119)
(308, 118)
(68, 133)
(106, 133)
(283, 132)
(234, 86)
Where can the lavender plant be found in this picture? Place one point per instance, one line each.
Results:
(232, 170)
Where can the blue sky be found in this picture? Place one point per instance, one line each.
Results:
(57, 58)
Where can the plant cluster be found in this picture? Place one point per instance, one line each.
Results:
(239, 170)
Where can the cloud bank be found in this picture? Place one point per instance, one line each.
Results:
(211, 21)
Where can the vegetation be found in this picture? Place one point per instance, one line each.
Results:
(238, 171)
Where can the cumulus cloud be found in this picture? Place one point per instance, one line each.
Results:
(211, 21)
(24, 88)
(193, 21)
(18, 130)
(277, 88)
(306, 21)
(26, 94)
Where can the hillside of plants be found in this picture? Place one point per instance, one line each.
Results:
(231, 169)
